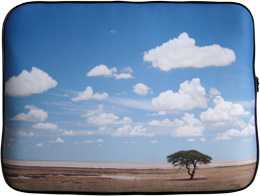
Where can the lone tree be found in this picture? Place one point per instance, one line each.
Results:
(188, 159)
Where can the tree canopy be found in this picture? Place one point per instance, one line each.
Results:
(189, 159)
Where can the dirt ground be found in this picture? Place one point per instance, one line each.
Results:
(42, 179)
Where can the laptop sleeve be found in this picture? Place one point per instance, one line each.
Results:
(120, 97)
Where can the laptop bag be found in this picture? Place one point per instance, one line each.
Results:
(122, 97)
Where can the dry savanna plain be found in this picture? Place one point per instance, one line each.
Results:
(105, 180)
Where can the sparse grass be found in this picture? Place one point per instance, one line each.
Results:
(127, 180)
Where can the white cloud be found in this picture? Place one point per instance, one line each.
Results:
(228, 134)
(128, 70)
(100, 118)
(182, 52)
(248, 104)
(249, 130)
(94, 141)
(24, 134)
(34, 115)
(246, 140)
(112, 31)
(162, 113)
(27, 83)
(99, 141)
(76, 133)
(187, 126)
(70, 132)
(58, 140)
(191, 95)
(39, 145)
(252, 120)
(129, 131)
(125, 120)
(21, 133)
(93, 112)
(141, 104)
(102, 128)
(88, 94)
(203, 139)
(45, 126)
(124, 93)
(130, 142)
(104, 71)
(166, 122)
(214, 92)
(191, 127)
(225, 113)
(123, 76)
(141, 89)
(154, 142)
(191, 140)
(159, 113)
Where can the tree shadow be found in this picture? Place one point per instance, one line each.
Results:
(187, 179)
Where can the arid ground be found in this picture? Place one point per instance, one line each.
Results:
(127, 180)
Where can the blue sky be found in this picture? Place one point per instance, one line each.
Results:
(128, 83)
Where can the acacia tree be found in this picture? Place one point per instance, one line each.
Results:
(189, 159)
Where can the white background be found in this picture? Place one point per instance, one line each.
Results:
(252, 5)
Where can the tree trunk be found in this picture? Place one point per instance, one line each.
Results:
(191, 176)
(193, 171)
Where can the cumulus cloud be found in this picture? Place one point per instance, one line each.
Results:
(246, 140)
(252, 120)
(34, 115)
(159, 113)
(191, 95)
(129, 131)
(225, 113)
(45, 126)
(94, 141)
(214, 92)
(187, 126)
(125, 120)
(89, 94)
(247, 131)
(24, 134)
(128, 70)
(100, 118)
(104, 71)
(166, 123)
(39, 145)
(112, 31)
(203, 139)
(182, 52)
(123, 76)
(70, 132)
(76, 133)
(141, 89)
(191, 127)
(191, 140)
(58, 140)
(27, 83)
